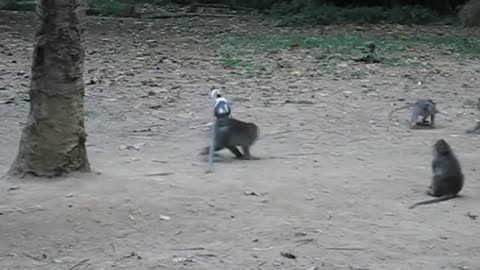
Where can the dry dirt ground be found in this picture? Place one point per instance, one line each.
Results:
(332, 188)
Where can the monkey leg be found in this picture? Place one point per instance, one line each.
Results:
(206, 150)
(423, 124)
(246, 152)
(414, 119)
(424, 121)
(415, 125)
(247, 155)
(435, 191)
(235, 151)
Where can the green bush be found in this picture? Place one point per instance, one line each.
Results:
(291, 12)
(18, 5)
(313, 14)
(255, 4)
(412, 15)
(110, 7)
(249, 53)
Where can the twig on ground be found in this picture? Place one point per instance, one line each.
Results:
(346, 248)
(287, 131)
(263, 249)
(78, 264)
(305, 241)
(159, 174)
(288, 255)
(274, 157)
(206, 255)
(159, 161)
(42, 259)
(192, 248)
(304, 154)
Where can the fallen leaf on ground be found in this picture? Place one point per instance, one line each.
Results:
(288, 255)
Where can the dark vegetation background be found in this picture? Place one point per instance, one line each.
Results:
(298, 12)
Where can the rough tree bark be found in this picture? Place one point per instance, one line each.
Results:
(470, 13)
(53, 140)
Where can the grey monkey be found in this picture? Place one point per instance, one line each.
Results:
(448, 179)
(424, 108)
(231, 133)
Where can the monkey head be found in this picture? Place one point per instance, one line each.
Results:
(222, 108)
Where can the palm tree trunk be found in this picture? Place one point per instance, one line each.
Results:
(53, 140)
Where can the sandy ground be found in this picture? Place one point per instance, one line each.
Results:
(332, 188)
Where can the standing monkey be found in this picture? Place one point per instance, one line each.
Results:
(424, 108)
(231, 133)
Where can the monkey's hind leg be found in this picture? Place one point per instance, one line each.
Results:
(430, 192)
(206, 151)
(432, 120)
(424, 124)
(435, 189)
(247, 155)
(235, 151)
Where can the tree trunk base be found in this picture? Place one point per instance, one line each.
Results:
(62, 161)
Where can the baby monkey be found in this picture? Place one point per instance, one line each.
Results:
(231, 133)
(447, 180)
(424, 108)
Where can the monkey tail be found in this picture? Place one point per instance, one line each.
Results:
(397, 109)
(439, 199)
